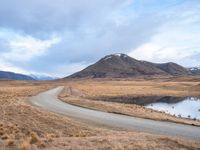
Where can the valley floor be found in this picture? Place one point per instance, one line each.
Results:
(25, 127)
(101, 95)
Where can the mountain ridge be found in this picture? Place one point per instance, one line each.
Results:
(42, 77)
(195, 70)
(121, 65)
(14, 76)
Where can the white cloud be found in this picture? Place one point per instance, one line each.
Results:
(21, 48)
(4, 66)
(177, 39)
(9, 67)
(157, 53)
(24, 48)
(68, 69)
(154, 30)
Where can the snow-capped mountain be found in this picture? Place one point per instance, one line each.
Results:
(42, 77)
(195, 70)
(123, 66)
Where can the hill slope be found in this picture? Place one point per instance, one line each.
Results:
(121, 65)
(14, 76)
(173, 69)
(118, 65)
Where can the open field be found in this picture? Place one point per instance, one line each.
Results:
(22, 125)
(93, 94)
(26, 127)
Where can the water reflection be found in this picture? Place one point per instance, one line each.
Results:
(186, 108)
(141, 100)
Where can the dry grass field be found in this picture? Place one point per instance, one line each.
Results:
(88, 93)
(25, 127)
(174, 86)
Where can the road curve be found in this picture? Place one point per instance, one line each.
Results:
(49, 100)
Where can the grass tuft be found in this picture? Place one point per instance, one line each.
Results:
(34, 138)
(5, 137)
(10, 142)
(25, 145)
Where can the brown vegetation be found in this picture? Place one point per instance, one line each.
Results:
(26, 127)
(93, 94)
(25, 145)
(20, 121)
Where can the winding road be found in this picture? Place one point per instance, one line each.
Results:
(48, 100)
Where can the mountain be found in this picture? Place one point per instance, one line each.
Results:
(173, 69)
(122, 65)
(14, 76)
(195, 70)
(42, 77)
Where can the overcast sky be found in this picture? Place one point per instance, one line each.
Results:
(60, 37)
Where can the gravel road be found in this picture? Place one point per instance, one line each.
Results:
(48, 100)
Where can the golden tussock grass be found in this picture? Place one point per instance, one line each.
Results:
(84, 93)
(10, 142)
(19, 120)
(30, 127)
(4, 137)
(24, 145)
(34, 138)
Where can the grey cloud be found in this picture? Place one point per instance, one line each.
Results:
(89, 29)
(80, 46)
(54, 15)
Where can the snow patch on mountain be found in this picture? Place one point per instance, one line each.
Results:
(195, 68)
(42, 77)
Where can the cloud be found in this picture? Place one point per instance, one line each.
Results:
(56, 15)
(177, 39)
(61, 71)
(58, 36)
(89, 30)
(159, 54)
(9, 67)
(4, 66)
(18, 48)
(24, 48)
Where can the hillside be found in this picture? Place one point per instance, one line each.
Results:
(173, 69)
(122, 66)
(14, 76)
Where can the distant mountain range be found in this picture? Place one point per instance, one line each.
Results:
(42, 77)
(195, 70)
(14, 76)
(115, 66)
(18, 76)
(122, 66)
